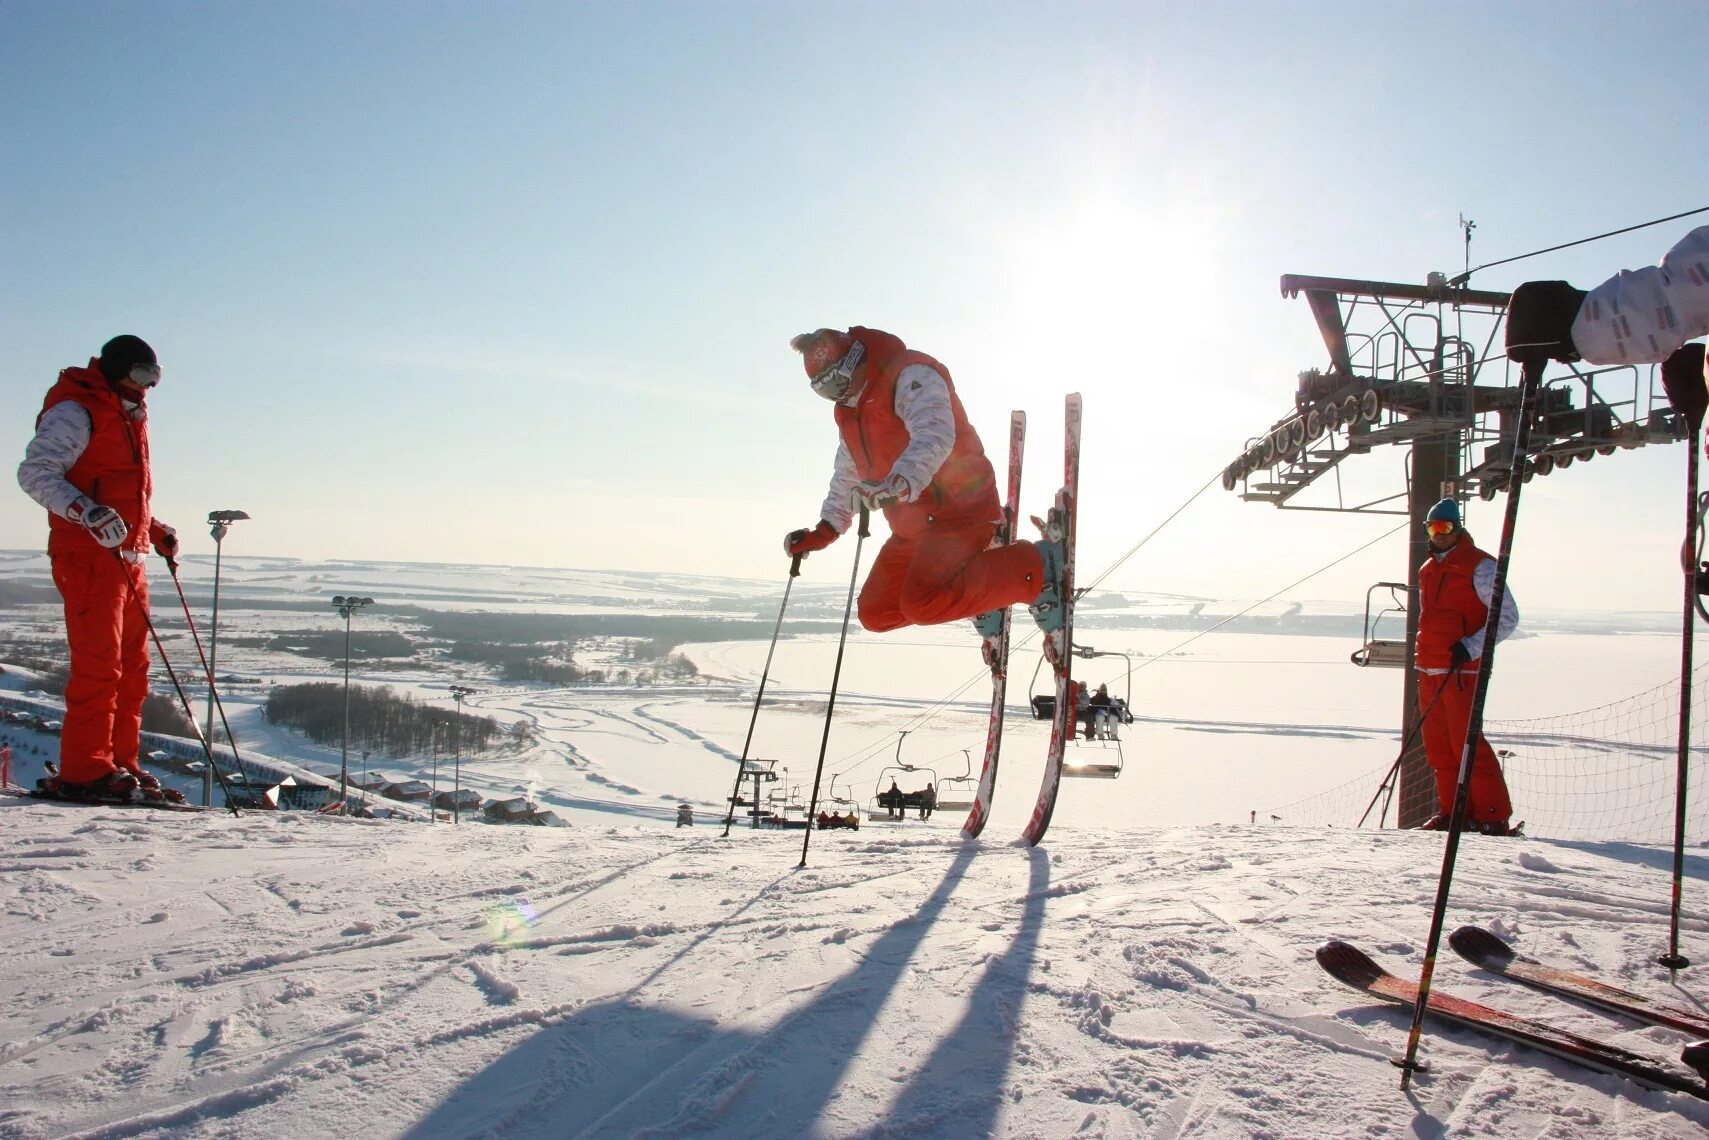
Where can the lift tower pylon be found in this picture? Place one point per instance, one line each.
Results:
(1422, 366)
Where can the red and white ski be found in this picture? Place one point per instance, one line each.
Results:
(1059, 628)
(1353, 967)
(997, 655)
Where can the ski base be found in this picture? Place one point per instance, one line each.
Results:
(1059, 642)
(997, 655)
(1483, 949)
(1353, 967)
(46, 796)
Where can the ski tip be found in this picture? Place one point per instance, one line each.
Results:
(1480, 947)
(1348, 963)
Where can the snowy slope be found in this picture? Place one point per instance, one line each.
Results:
(290, 975)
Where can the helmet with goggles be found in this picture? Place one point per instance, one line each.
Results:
(1442, 519)
(129, 358)
(830, 358)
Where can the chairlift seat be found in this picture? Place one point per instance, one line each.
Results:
(1383, 654)
(1044, 706)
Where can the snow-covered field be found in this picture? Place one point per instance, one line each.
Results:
(1147, 972)
(288, 975)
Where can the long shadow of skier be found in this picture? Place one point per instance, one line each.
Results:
(959, 1090)
(622, 1068)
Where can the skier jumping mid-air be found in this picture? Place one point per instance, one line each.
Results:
(907, 448)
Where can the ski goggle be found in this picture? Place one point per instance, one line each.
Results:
(833, 382)
(145, 375)
(1439, 528)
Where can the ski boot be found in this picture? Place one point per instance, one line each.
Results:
(151, 788)
(118, 784)
(990, 627)
(1048, 608)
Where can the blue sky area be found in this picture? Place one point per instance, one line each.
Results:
(514, 282)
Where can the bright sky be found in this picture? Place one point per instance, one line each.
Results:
(513, 283)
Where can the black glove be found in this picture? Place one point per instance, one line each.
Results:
(1459, 655)
(1540, 317)
(1683, 381)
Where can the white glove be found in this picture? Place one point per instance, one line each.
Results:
(875, 495)
(104, 524)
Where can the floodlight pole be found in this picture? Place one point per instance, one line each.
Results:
(459, 692)
(346, 605)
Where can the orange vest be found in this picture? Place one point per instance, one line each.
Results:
(963, 491)
(1449, 606)
(113, 470)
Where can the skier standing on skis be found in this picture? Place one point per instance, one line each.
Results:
(88, 465)
(907, 448)
(1454, 590)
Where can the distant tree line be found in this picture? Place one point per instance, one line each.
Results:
(380, 719)
(540, 661)
(329, 644)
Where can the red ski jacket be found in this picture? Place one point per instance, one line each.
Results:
(964, 490)
(113, 470)
(1449, 606)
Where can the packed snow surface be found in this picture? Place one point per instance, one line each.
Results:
(283, 974)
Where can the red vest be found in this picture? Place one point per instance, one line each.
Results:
(1449, 606)
(965, 488)
(113, 470)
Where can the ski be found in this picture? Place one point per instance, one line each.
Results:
(997, 649)
(1059, 527)
(1353, 967)
(1483, 949)
(41, 794)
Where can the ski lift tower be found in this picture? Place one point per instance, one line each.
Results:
(1422, 366)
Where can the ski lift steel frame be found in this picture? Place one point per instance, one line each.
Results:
(1407, 365)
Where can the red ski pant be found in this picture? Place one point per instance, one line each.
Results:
(945, 574)
(1445, 741)
(106, 607)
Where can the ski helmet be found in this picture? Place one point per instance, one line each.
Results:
(830, 358)
(129, 358)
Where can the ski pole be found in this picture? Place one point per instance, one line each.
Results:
(1405, 743)
(742, 765)
(208, 672)
(207, 749)
(1683, 376)
(836, 673)
(1531, 379)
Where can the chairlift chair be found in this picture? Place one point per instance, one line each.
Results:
(1384, 653)
(879, 788)
(1100, 757)
(956, 793)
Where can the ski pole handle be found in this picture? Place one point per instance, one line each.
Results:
(795, 566)
(865, 521)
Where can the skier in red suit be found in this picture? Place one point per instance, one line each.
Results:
(1455, 586)
(908, 449)
(88, 465)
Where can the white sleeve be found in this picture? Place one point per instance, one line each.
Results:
(60, 440)
(922, 402)
(1483, 581)
(836, 509)
(1641, 316)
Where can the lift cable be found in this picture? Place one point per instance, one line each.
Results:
(1272, 597)
(1462, 278)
